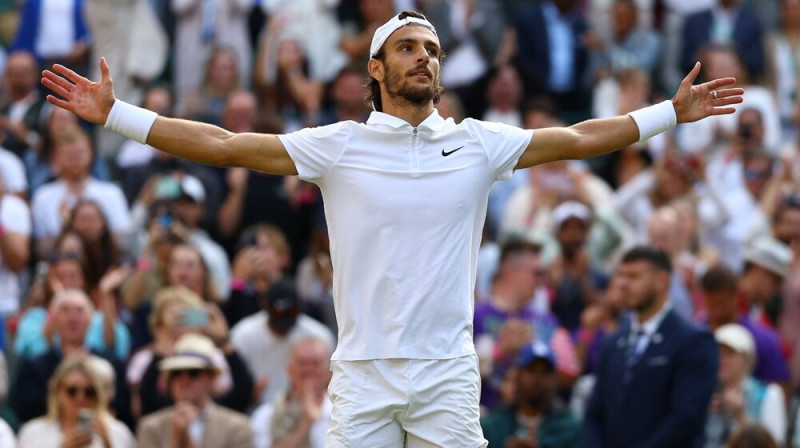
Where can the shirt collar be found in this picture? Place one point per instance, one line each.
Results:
(650, 326)
(434, 122)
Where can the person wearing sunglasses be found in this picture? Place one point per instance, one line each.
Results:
(77, 414)
(194, 420)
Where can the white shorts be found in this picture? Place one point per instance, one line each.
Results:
(405, 402)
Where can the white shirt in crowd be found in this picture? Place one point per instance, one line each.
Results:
(49, 198)
(15, 217)
(265, 353)
(44, 432)
(12, 173)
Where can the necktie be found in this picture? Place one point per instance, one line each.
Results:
(632, 353)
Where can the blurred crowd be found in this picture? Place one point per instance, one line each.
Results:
(151, 301)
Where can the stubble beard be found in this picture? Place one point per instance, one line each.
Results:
(417, 95)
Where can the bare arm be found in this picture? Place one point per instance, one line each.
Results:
(14, 250)
(600, 136)
(195, 141)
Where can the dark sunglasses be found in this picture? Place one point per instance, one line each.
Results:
(192, 373)
(87, 392)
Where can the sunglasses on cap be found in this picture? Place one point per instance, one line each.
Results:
(192, 373)
(87, 392)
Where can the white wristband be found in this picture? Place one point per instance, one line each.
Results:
(655, 119)
(131, 121)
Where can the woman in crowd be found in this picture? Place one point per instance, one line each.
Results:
(101, 250)
(77, 414)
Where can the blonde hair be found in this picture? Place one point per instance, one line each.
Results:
(83, 365)
(168, 296)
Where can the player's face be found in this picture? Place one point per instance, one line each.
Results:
(411, 64)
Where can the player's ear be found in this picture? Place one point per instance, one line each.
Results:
(376, 69)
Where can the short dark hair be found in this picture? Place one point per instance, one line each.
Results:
(518, 246)
(718, 278)
(372, 85)
(653, 255)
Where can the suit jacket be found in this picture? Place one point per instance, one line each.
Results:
(533, 54)
(223, 429)
(663, 403)
(747, 39)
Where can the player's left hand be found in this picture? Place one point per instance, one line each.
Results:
(694, 102)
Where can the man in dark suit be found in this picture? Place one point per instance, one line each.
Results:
(728, 23)
(558, 68)
(657, 372)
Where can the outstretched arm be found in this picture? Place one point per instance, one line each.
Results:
(596, 137)
(191, 140)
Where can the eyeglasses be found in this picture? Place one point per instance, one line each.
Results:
(192, 373)
(87, 392)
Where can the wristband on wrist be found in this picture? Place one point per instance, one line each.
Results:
(131, 121)
(655, 119)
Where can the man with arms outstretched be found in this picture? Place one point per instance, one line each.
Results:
(405, 200)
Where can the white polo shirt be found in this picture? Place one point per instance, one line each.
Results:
(405, 209)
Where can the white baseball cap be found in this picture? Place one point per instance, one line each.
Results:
(737, 337)
(386, 30)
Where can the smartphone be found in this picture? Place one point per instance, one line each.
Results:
(168, 188)
(165, 220)
(194, 317)
(85, 419)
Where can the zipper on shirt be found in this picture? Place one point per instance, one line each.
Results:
(414, 155)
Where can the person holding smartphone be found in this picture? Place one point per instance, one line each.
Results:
(77, 415)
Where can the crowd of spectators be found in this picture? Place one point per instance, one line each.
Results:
(151, 301)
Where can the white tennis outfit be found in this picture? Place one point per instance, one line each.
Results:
(405, 208)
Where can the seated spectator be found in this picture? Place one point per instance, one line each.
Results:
(509, 320)
(182, 197)
(72, 158)
(287, 90)
(537, 418)
(23, 102)
(177, 311)
(185, 267)
(262, 258)
(77, 412)
(576, 279)
(741, 398)
(194, 420)
(221, 80)
(101, 248)
(300, 415)
(38, 158)
(766, 266)
(71, 312)
(15, 231)
(106, 333)
(264, 340)
(718, 288)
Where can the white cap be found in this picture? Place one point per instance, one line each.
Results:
(192, 187)
(570, 209)
(770, 254)
(192, 351)
(386, 30)
(737, 337)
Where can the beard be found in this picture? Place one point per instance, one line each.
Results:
(414, 94)
(647, 302)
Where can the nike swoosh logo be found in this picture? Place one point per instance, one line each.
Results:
(447, 153)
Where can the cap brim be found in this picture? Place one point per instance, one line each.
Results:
(185, 362)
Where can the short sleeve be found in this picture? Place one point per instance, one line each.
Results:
(15, 216)
(315, 150)
(503, 144)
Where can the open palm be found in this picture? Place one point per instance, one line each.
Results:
(695, 102)
(89, 100)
